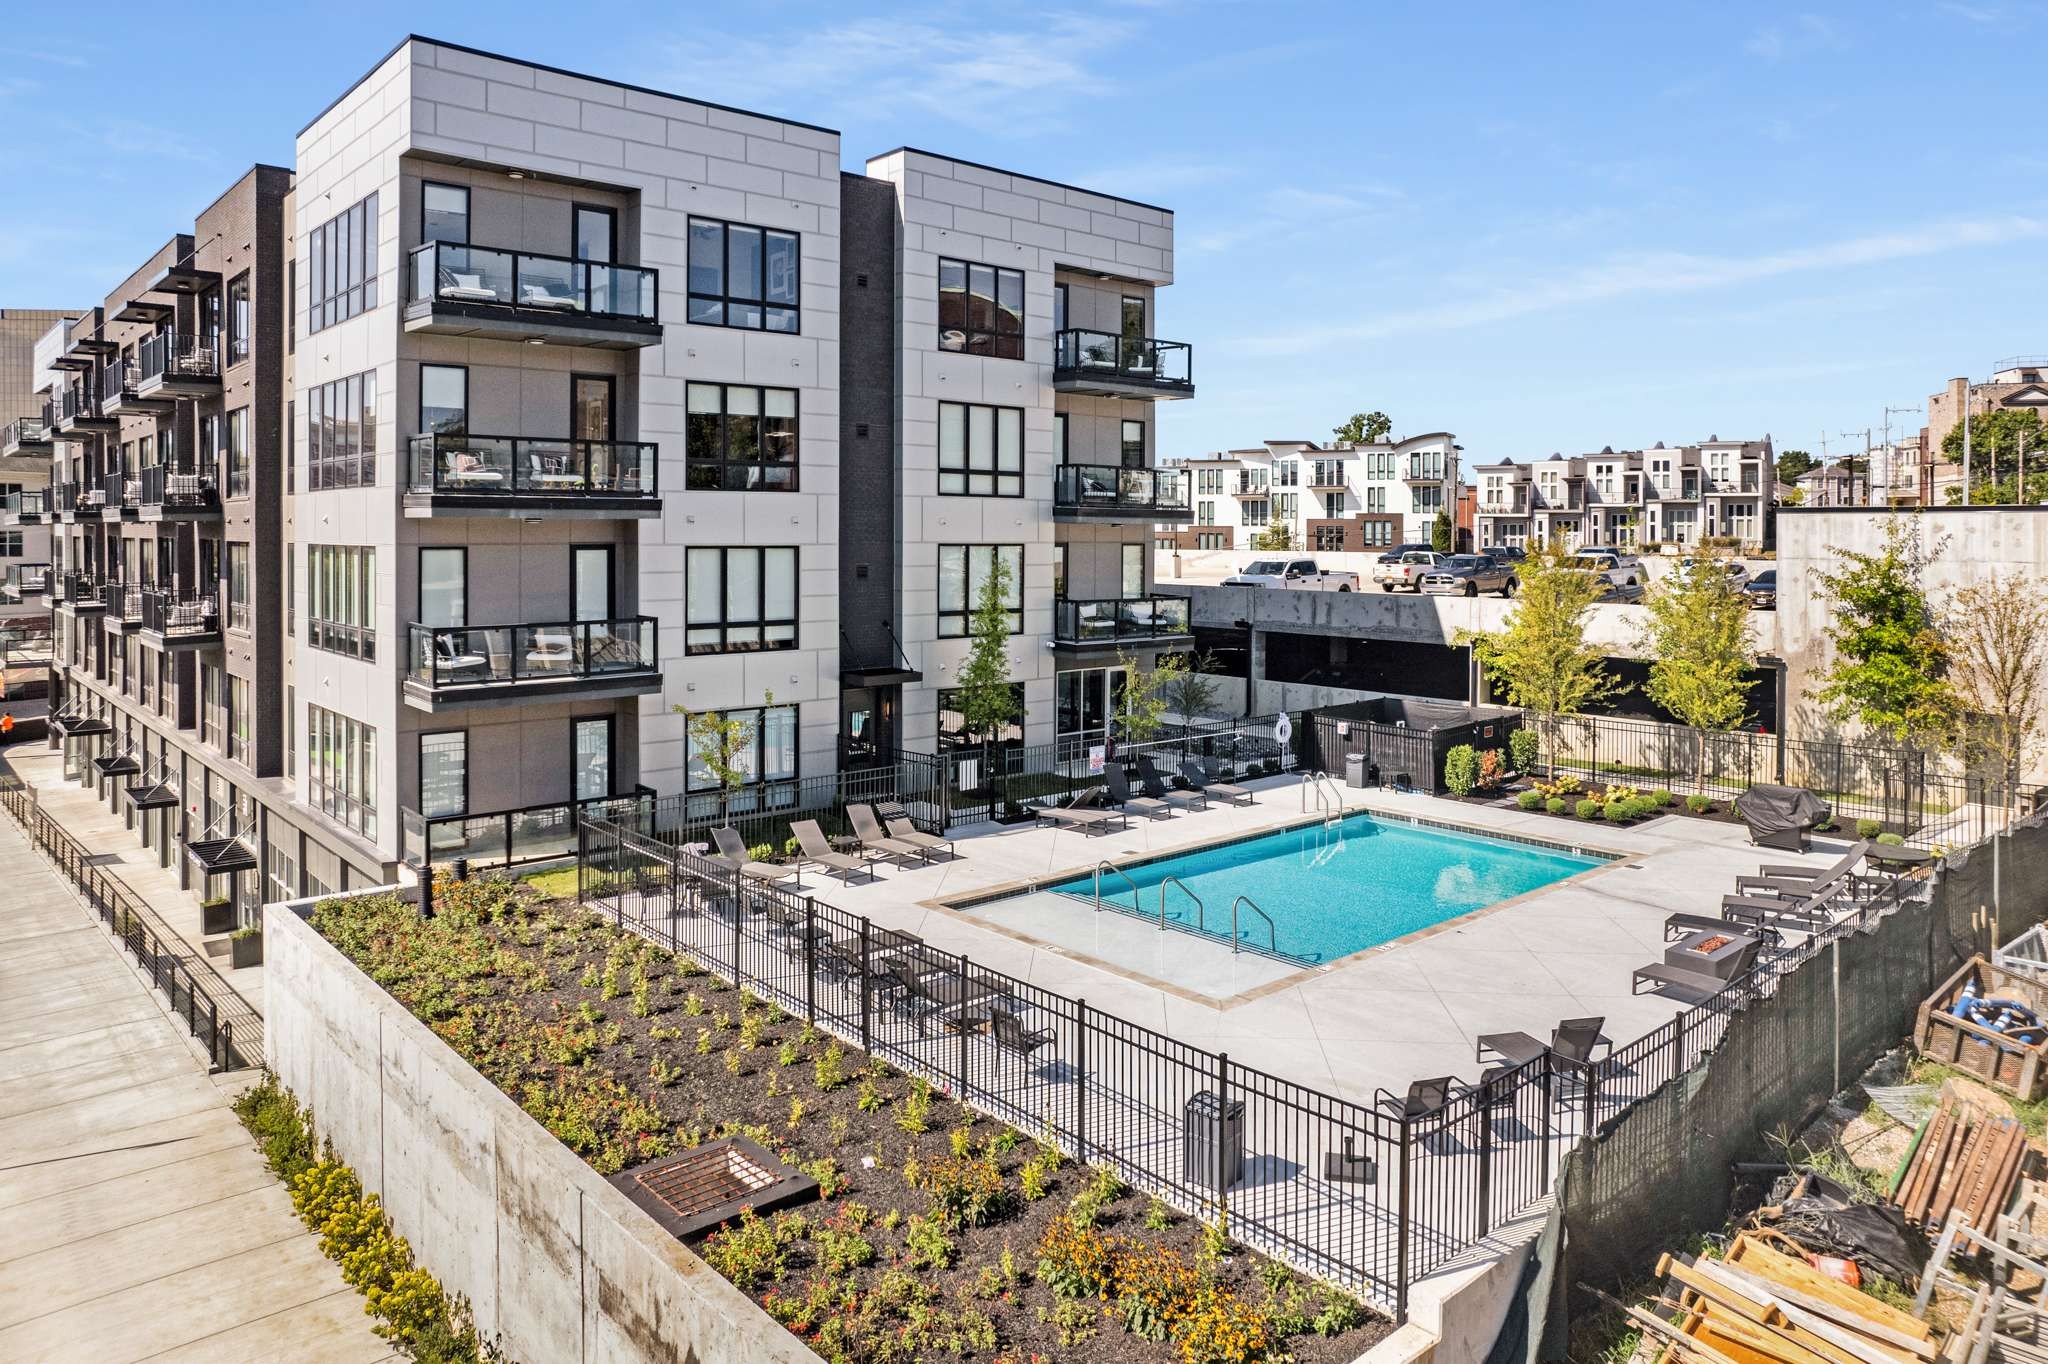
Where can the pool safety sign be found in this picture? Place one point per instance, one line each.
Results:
(1096, 756)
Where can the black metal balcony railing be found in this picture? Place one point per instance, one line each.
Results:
(159, 485)
(444, 272)
(120, 490)
(82, 589)
(36, 503)
(518, 466)
(179, 614)
(118, 379)
(78, 402)
(24, 431)
(1106, 487)
(461, 656)
(174, 356)
(124, 600)
(1131, 360)
(1118, 620)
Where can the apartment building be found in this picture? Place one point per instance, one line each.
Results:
(1337, 497)
(24, 463)
(1663, 495)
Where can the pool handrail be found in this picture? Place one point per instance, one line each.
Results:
(1329, 800)
(1200, 914)
(1272, 939)
(1137, 904)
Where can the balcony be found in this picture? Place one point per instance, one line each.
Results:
(178, 366)
(173, 620)
(533, 833)
(1106, 365)
(1107, 493)
(1246, 488)
(1119, 621)
(518, 296)
(123, 604)
(25, 436)
(495, 665)
(26, 509)
(1331, 481)
(77, 413)
(1421, 473)
(167, 494)
(24, 581)
(464, 475)
(119, 384)
(83, 592)
(120, 495)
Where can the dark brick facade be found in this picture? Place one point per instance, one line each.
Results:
(867, 422)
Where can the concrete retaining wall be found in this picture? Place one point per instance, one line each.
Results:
(557, 1263)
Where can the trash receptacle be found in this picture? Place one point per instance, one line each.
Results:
(1354, 769)
(1212, 1142)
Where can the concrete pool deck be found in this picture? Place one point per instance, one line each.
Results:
(1409, 1009)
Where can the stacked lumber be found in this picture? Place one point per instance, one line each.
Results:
(1758, 1306)
(1964, 1159)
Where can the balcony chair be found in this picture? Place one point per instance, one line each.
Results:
(468, 467)
(552, 471)
(541, 296)
(464, 288)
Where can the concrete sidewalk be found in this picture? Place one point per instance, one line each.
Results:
(137, 1220)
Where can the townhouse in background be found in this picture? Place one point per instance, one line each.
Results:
(1338, 497)
(1678, 496)
(24, 465)
(2018, 381)
(411, 500)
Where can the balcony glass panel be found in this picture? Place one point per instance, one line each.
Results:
(450, 273)
(484, 655)
(509, 465)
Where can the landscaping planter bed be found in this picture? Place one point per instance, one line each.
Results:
(942, 1234)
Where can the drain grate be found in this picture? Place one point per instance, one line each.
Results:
(695, 1190)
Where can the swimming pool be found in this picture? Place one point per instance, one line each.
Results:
(1335, 889)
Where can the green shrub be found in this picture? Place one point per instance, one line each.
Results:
(1589, 809)
(1666, 798)
(1619, 811)
(1868, 828)
(1522, 749)
(1892, 840)
(1555, 805)
(1530, 800)
(1461, 769)
(761, 852)
(1699, 805)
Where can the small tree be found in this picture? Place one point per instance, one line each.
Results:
(1363, 428)
(1997, 632)
(1141, 710)
(986, 698)
(723, 743)
(1542, 661)
(1191, 689)
(1278, 537)
(1440, 533)
(1697, 639)
(1888, 665)
(1793, 463)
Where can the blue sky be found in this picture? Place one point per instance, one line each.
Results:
(1545, 227)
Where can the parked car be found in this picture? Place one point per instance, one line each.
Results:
(1621, 569)
(1737, 571)
(1469, 575)
(1301, 573)
(1405, 571)
(1762, 591)
(1621, 594)
(1507, 554)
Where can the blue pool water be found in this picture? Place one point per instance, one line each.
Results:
(1335, 890)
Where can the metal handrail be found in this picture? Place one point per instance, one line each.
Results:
(1136, 903)
(1329, 800)
(1272, 939)
(1200, 913)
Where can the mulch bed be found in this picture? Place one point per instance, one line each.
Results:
(627, 1053)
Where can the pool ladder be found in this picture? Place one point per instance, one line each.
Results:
(1201, 914)
(1329, 800)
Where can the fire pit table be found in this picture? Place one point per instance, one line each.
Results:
(1708, 952)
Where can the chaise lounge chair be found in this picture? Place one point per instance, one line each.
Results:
(1191, 770)
(1120, 791)
(817, 849)
(1785, 879)
(1156, 786)
(1806, 915)
(1708, 983)
(874, 841)
(1678, 925)
(896, 820)
(732, 851)
(1083, 813)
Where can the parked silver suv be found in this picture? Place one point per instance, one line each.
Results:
(1468, 575)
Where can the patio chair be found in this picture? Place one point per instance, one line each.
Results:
(1424, 1099)
(1191, 771)
(1157, 787)
(541, 296)
(1781, 816)
(1661, 975)
(1573, 1039)
(896, 820)
(1010, 1035)
(462, 288)
(1120, 791)
(732, 851)
(1805, 915)
(874, 841)
(817, 850)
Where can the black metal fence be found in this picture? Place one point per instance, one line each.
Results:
(209, 1010)
(763, 813)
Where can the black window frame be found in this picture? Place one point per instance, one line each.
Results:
(1000, 480)
(343, 255)
(723, 299)
(750, 763)
(990, 342)
(726, 474)
(611, 249)
(327, 629)
(762, 622)
(341, 432)
(420, 772)
(241, 321)
(611, 753)
(1123, 443)
(959, 624)
(468, 204)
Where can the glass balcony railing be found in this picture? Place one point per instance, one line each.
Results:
(34, 505)
(444, 272)
(1118, 620)
(1079, 356)
(25, 580)
(532, 833)
(83, 589)
(179, 615)
(173, 357)
(23, 432)
(559, 651)
(1109, 488)
(517, 466)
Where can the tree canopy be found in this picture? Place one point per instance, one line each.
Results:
(1542, 660)
(1888, 665)
(985, 698)
(1793, 463)
(1997, 441)
(1997, 636)
(1696, 633)
(1362, 428)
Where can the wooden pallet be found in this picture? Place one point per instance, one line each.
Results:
(1964, 1159)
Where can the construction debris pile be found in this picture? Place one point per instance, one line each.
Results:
(1964, 1160)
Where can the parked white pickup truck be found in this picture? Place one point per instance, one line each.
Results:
(1618, 567)
(1301, 573)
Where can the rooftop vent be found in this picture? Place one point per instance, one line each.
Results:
(696, 1190)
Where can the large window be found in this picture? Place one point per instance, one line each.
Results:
(239, 608)
(981, 309)
(444, 400)
(444, 213)
(342, 253)
(238, 452)
(981, 450)
(953, 726)
(591, 742)
(740, 438)
(741, 600)
(240, 322)
(962, 571)
(743, 276)
(444, 774)
(769, 754)
(341, 768)
(341, 608)
(341, 433)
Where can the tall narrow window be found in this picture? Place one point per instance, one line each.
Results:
(240, 322)
(597, 234)
(444, 774)
(743, 276)
(444, 213)
(238, 452)
(239, 609)
(444, 400)
(1134, 571)
(590, 407)
(592, 757)
(590, 582)
(1133, 445)
(444, 587)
